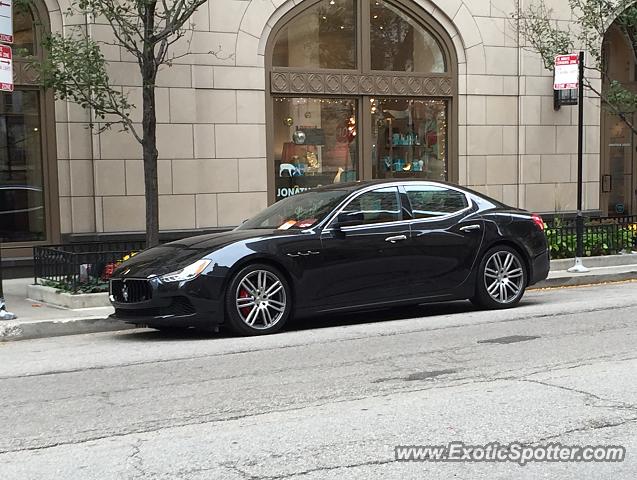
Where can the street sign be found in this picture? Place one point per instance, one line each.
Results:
(566, 72)
(6, 69)
(6, 21)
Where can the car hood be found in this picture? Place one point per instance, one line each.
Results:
(173, 256)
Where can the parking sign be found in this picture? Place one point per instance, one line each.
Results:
(6, 69)
(6, 21)
(566, 72)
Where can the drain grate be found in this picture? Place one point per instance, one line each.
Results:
(510, 339)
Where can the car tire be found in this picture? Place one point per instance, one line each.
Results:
(258, 300)
(501, 279)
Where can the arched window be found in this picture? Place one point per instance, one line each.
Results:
(28, 181)
(359, 89)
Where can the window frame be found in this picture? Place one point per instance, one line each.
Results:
(423, 183)
(444, 190)
(364, 83)
(25, 78)
(399, 205)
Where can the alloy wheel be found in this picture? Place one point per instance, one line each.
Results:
(260, 299)
(503, 277)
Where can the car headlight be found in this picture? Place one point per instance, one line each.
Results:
(187, 273)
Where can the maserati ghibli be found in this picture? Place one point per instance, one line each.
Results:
(342, 247)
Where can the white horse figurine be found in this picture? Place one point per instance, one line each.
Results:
(291, 169)
(337, 177)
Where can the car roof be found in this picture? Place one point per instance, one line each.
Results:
(351, 187)
(359, 184)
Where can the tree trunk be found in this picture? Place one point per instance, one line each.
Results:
(149, 125)
(149, 148)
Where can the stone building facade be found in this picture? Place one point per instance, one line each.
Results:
(465, 92)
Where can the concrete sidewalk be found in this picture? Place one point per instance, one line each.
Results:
(37, 320)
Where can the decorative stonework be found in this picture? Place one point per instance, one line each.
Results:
(357, 84)
(25, 73)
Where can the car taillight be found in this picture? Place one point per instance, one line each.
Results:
(538, 221)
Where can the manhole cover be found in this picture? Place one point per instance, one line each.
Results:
(510, 339)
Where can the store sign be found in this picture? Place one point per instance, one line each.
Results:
(6, 21)
(566, 72)
(6, 69)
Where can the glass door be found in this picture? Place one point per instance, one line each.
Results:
(22, 206)
(617, 178)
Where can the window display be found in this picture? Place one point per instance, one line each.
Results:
(409, 138)
(315, 143)
(359, 89)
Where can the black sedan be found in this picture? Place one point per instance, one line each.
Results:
(343, 247)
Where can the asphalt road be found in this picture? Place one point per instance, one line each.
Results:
(331, 397)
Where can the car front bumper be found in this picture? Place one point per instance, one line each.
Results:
(150, 302)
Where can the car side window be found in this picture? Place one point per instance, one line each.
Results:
(431, 201)
(376, 206)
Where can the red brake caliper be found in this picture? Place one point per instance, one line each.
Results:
(245, 311)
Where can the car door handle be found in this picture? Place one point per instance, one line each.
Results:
(469, 228)
(396, 238)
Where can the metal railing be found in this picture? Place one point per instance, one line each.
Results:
(85, 266)
(80, 266)
(602, 236)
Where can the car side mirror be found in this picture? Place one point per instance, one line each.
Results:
(345, 219)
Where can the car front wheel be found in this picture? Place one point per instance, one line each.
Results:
(258, 300)
(501, 278)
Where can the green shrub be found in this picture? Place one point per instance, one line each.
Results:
(595, 242)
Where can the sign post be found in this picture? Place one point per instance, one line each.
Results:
(6, 85)
(569, 74)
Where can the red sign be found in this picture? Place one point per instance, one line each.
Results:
(566, 72)
(6, 69)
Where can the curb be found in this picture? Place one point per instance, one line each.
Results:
(585, 279)
(13, 330)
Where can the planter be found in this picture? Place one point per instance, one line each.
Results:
(59, 298)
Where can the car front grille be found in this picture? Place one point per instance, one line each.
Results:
(180, 306)
(131, 290)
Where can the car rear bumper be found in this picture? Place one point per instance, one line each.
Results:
(540, 266)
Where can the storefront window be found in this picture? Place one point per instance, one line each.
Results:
(409, 138)
(323, 36)
(359, 89)
(400, 44)
(315, 143)
(21, 179)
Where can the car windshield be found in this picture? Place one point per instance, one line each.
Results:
(298, 212)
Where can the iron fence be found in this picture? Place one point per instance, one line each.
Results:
(86, 266)
(80, 266)
(602, 236)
